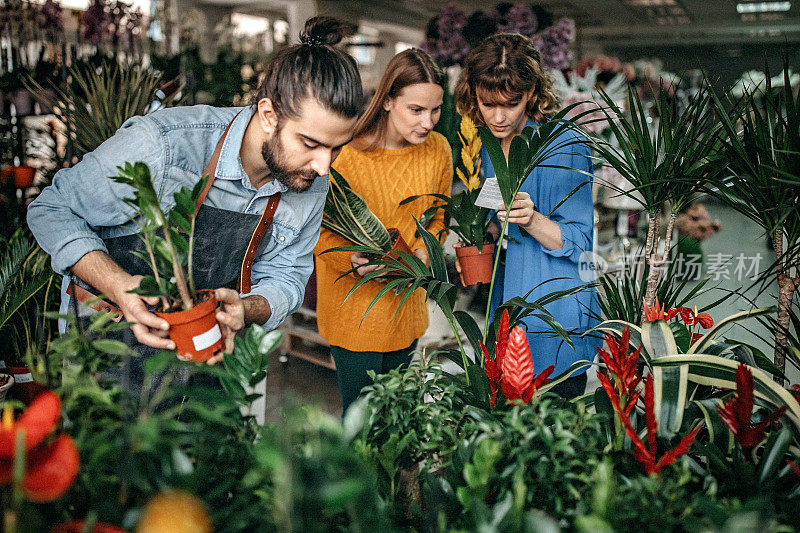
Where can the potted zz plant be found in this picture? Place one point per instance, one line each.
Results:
(169, 241)
(475, 249)
(347, 214)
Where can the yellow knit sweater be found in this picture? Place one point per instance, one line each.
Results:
(384, 178)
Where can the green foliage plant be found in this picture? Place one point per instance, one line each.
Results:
(168, 239)
(761, 148)
(96, 100)
(668, 163)
(25, 281)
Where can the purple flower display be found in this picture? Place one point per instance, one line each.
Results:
(53, 19)
(451, 34)
(445, 41)
(516, 18)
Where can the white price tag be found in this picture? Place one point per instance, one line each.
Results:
(204, 340)
(23, 378)
(490, 196)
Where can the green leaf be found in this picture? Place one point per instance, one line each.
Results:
(670, 386)
(702, 343)
(774, 454)
(658, 339)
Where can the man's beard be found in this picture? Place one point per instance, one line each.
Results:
(295, 180)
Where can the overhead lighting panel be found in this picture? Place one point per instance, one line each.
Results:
(763, 7)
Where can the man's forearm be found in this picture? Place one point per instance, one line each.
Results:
(256, 309)
(101, 272)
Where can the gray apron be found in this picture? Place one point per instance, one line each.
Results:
(225, 245)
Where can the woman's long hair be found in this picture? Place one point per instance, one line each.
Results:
(406, 68)
(505, 66)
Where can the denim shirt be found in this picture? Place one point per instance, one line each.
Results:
(83, 206)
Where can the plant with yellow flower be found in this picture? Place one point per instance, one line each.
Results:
(461, 215)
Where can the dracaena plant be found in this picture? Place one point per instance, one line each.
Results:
(761, 146)
(348, 215)
(668, 163)
(461, 216)
(168, 239)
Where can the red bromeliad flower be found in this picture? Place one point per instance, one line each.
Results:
(737, 411)
(493, 367)
(646, 453)
(657, 312)
(50, 467)
(623, 366)
(518, 380)
(78, 526)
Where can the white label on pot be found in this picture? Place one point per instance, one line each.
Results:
(23, 378)
(2, 364)
(204, 340)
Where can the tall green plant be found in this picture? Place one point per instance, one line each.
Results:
(347, 215)
(23, 276)
(761, 145)
(168, 251)
(96, 101)
(668, 163)
(529, 150)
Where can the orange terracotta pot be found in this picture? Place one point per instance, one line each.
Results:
(25, 389)
(195, 332)
(23, 176)
(476, 266)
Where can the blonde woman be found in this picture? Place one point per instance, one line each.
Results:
(395, 154)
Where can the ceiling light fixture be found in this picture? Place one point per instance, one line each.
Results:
(763, 7)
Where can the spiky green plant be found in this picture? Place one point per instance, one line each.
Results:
(96, 101)
(761, 145)
(668, 163)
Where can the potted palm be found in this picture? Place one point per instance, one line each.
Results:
(347, 214)
(169, 241)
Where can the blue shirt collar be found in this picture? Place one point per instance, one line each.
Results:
(229, 166)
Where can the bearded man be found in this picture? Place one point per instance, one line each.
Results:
(257, 227)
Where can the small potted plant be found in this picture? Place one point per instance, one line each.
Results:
(347, 214)
(168, 241)
(6, 381)
(475, 249)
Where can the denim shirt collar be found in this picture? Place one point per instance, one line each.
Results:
(230, 166)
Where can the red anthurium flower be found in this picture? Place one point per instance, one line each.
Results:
(623, 366)
(657, 312)
(518, 380)
(737, 411)
(50, 468)
(38, 421)
(692, 317)
(646, 453)
(493, 367)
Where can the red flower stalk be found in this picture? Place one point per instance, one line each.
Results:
(50, 468)
(657, 312)
(794, 467)
(646, 453)
(623, 366)
(493, 367)
(737, 412)
(518, 380)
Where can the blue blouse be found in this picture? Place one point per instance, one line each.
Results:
(529, 264)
